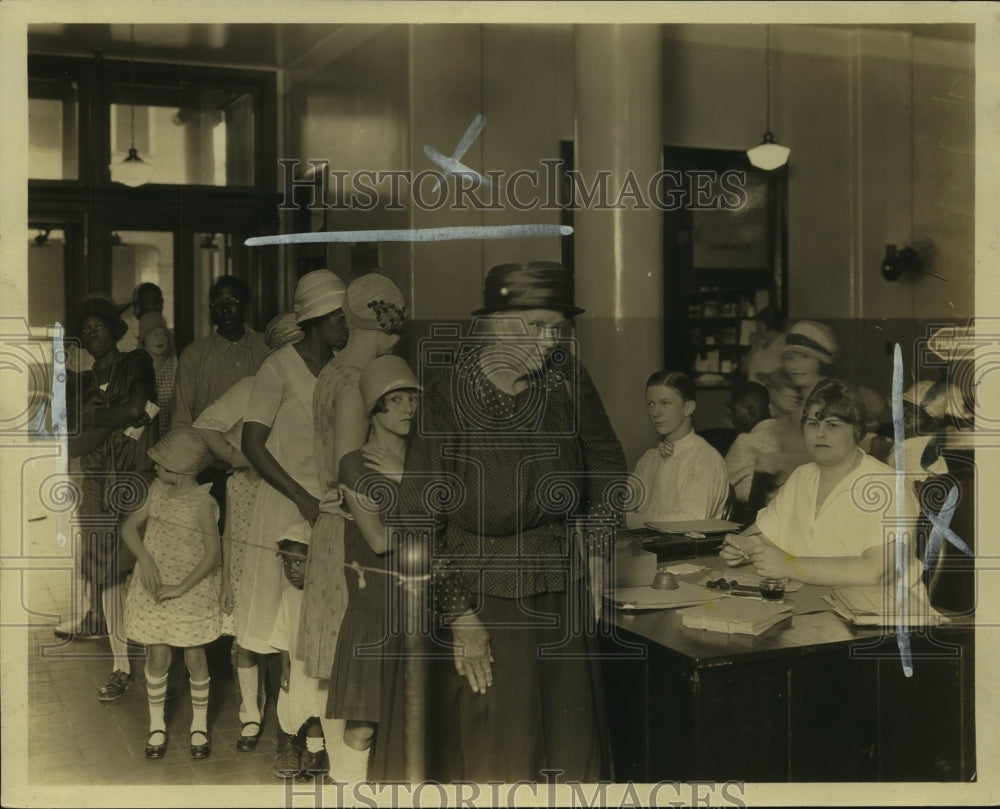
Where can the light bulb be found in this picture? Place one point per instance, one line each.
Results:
(768, 155)
(133, 171)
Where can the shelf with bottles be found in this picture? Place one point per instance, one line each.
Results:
(723, 334)
(712, 303)
(714, 361)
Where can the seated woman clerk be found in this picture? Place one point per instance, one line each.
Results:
(825, 526)
(683, 477)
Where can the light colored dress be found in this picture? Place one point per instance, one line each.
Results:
(173, 538)
(281, 398)
(858, 514)
(305, 697)
(225, 415)
(741, 460)
(325, 598)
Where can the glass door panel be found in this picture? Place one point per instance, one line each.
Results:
(46, 276)
(213, 257)
(140, 256)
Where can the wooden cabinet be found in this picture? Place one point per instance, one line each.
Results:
(725, 248)
(816, 700)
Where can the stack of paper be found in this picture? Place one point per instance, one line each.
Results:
(736, 616)
(881, 606)
(711, 526)
(646, 598)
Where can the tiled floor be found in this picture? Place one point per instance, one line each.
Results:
(74, 739)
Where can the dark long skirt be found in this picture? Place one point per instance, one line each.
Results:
(545, 710)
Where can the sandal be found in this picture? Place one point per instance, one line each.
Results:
(201, 750)
(247, 743)
(156, 750)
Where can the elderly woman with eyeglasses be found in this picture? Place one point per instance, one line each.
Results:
(825, 526)
(512, 461)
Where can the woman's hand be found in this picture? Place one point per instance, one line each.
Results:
(769, 560)
(286, 671)
(149, 575)
(473, 659)
(732, 551)
(308, 507)
(168, 592)
(226, 597)
(385, 461)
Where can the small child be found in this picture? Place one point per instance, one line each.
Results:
(174, 596)
(300, 702)
(155, 338)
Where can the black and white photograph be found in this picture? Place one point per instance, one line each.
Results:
(515, 404)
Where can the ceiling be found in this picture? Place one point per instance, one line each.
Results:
(260, 45)
(286, 45)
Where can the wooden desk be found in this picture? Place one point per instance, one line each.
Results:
(810, 700)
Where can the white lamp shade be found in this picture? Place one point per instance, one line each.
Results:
(133, 171)
(769, 155)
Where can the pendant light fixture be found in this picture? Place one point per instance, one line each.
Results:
(133, 171)
(768, 155)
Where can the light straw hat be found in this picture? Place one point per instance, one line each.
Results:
(318, 293)
(374, 302)
(383, 375)
(813, 339)
(182, 451)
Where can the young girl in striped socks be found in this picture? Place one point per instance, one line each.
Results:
(173, 600)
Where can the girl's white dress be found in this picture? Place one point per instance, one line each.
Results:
(174, 540)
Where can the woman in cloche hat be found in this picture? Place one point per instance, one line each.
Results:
(516, 431)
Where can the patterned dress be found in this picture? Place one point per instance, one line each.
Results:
(282, 399)
(324, 600)
(173, 538)
(225, 415)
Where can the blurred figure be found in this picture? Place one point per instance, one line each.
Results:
(758, 434)
(155, 338)
(146, 297)
(766, 344)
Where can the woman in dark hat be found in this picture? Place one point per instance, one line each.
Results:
(115, 432)
(516, 430)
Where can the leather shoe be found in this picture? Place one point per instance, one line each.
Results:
(116, 685)
(286, 757)
(201, 750)
(312, 765)
(247, 743)
(156, 750)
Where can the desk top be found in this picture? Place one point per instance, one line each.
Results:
(814, 625)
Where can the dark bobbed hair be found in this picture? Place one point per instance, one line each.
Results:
(380, 406)
(676, 381)
(238, 285)
(754, 398)
(147, 287)
(837, 399)
(772, 317)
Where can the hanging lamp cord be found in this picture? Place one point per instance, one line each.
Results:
(131, 106)
(767, 63)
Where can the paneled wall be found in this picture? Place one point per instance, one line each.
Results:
(880, 123)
